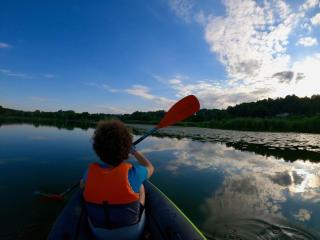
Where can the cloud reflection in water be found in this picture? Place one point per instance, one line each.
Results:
(254, 186)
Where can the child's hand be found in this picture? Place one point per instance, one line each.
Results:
(133, 150)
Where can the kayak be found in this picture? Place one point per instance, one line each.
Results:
(164, 220)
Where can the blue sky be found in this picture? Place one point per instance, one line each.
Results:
(123, 56)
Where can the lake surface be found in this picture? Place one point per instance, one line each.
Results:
(232, 185)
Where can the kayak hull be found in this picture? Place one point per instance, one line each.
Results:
(164, 220)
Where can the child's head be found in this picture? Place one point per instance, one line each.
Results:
(112, 142)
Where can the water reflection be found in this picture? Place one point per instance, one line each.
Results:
(229, 193)
(255, 189)
(60, 124)
(303, 215)
(287, 146)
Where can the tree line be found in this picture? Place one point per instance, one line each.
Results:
(290, 113)
(291, 105)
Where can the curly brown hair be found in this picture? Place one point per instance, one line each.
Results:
(112, 141)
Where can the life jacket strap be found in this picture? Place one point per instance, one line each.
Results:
(107, 215)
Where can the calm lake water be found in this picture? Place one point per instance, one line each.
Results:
(232, 185)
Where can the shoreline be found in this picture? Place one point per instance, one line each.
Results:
(307, 125)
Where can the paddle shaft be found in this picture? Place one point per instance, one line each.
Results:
(69, 190)
(145, 135)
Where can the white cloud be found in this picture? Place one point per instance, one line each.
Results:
(182, 8)
(201, 18)
(175, 81)
(213, 94)
(307, 41)
(4, 45)
(306, 26)
(310, 84)
(315, 20)
(139, 91)
(301, 79)
(144, 92)
(251, 40)
(309, 4)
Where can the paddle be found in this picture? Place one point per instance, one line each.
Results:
(181, 110)
(55, 196)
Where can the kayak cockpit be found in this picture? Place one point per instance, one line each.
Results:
(163, 219)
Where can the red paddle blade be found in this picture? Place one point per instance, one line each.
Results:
(56, 197)
(183, 109)
(49, 196)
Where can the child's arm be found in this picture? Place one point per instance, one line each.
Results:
(83, 180)
(144, 162)
(82, 184)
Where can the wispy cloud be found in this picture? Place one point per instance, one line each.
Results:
(49, 75)
(182, 8)
(42, 99)
(10, 73)
(5, 45)
(308, 4)
(110, 89)
(140, 91)
(109, 110)
(15, 74)
(144, 92)
(315, 20)
(307, 41)
(102, 86)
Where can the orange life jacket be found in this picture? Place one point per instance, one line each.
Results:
(109, 185)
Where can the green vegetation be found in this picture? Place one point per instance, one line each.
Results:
(291, 113)
(290, 124)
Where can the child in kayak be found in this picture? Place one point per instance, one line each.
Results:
(113, 189)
